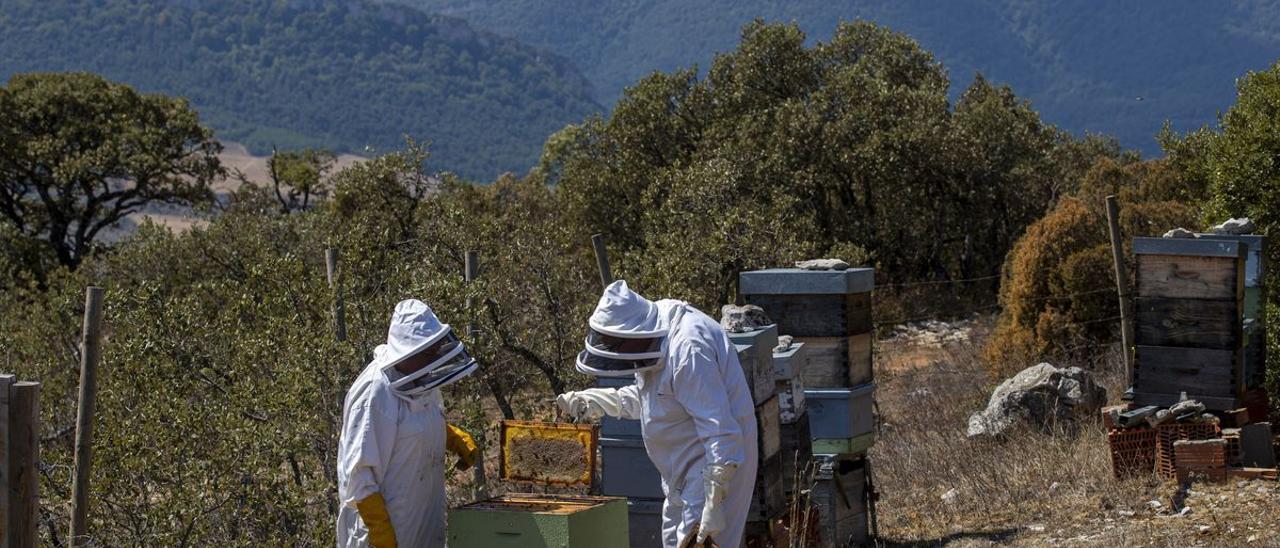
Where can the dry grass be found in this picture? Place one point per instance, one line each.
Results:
(1032, 488)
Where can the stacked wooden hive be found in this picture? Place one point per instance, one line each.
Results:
(797, 443)
(829, 311)
(1189, 333)
(755, 352)
(1253, 325)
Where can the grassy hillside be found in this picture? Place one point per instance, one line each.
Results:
(337, 74)
(1084, 65)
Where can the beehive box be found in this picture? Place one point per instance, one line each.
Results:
(540, 521)
(1188, 321)
(644, 521)
(839, 492)
(755, 353)
(812, 303)
(788, 363)
(626, 471)
(768, 429)
(768, 498)
(841, 412)
(837, 362)
(797, 455)
(791, 403)
(844, 446)
(828, 310)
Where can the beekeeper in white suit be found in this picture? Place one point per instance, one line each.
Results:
(693, 403)
(393, 438)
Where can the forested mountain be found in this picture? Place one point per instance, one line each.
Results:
(1120, 68)
(337, 74)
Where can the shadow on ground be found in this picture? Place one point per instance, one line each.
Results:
(997, 536)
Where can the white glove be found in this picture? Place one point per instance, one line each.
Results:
(590, 404)
(715, 480)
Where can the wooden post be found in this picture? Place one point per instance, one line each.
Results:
(339, 307)
(471, 272)
(90, 352)
(1122, 284)
(24, 453)
(602, 259)
(6, 383)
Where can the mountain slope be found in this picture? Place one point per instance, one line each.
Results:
(343, 75)
(1083, 64)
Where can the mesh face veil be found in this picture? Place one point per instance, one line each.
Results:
(446, 361)
(617, 355)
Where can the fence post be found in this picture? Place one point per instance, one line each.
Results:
(339, 307)
(602, 259)
(470, 273)
(90, 352)
(1122, 285)
(24, 453)
(6, 383)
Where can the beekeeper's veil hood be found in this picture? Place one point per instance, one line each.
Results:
(626, 333)
(416, 333)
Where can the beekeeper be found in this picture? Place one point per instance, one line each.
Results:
(693, 403)
(393, 438)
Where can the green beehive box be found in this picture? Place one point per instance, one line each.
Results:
(540, 521)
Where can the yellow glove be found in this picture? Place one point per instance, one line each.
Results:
(373, 510)
(459, 442)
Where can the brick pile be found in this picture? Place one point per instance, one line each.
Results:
(1168, 433)
(1206, 458)
(1133, 451)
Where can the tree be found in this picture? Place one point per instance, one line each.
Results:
(297, 176)
(78, 154)
(788, 149)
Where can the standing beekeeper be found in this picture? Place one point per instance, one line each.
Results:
(393, 438)
(693, 403)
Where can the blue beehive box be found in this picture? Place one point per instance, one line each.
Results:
(626, 471)
(840, 412)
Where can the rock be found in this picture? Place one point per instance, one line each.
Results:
(1162, 416)
(1186, 406)
(784, 343)
(950, 496)
(1126, 513)
(740, 319)
(1179, 233)
(1234, 226)
(1154, 504)
(822, 264)
(1042, 396)
(1204, 529)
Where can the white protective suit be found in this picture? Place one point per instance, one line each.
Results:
(696, 408)
(393, 445)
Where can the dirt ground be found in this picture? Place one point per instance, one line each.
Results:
(939, 488)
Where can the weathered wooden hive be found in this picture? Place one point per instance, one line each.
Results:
(829, 313)
(1189, 322)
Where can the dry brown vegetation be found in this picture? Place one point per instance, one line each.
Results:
(1031, 488)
